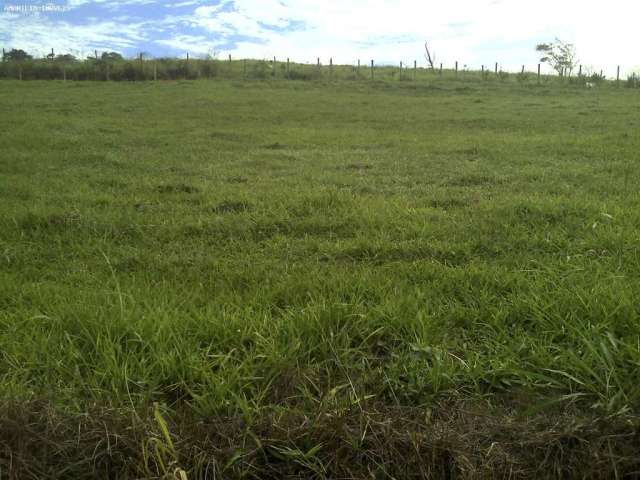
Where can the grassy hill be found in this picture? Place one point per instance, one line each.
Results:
(284, 279)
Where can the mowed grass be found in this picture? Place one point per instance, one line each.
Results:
(318, 280)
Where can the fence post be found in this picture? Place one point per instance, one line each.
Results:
(415, 69)
(96, 52)
(371, 69)
(618, 75)
(601, 74)
(331, 67)
(288, 68)
(440, 69)
(456, 68)
(580, 71)
(358, 67)
(4, 54)
(273, 74)
(522, 70)
(483, 72)
(538, 73)
(400, 71)
(496, 68)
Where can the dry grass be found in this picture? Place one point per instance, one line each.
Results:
(458, 441)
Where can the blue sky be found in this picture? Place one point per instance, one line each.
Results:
(475, 32)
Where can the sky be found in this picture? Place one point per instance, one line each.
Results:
(473, 32)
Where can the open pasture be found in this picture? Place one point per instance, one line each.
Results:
(239, 279)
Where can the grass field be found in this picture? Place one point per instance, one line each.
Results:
(313, 280)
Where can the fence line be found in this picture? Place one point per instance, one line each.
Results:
(189, 68)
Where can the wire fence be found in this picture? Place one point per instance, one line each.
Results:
(144, 69)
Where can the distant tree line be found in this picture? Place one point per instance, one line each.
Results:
(17, 55)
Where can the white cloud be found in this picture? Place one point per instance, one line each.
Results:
(473, 31)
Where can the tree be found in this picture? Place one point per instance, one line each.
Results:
(17, 55)
(67, 57)
(430, 58)
(560, 55)
(112, 57)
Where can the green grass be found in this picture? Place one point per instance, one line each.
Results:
(318, 280)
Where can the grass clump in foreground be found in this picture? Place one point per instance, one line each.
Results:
(286, 280)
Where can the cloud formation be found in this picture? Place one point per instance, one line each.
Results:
(475, 32)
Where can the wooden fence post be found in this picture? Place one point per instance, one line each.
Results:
(358, 67)
(273, 74)
(538, 73)
(331, 67)
(483, 72)
(288, 70)
(580, 71)
(415, 69)
(618, 75)
(4, 54)
(496, 68)
(456, 68)
(440, 69)
(371, 69)
(522, 73)
(400, 71)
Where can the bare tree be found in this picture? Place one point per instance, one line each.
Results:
(560, 55)
(430, 58)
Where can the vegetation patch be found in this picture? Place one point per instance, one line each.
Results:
(177, 188)
(231, 207)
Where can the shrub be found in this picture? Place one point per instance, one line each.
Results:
(260, 70)
(209, 68)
